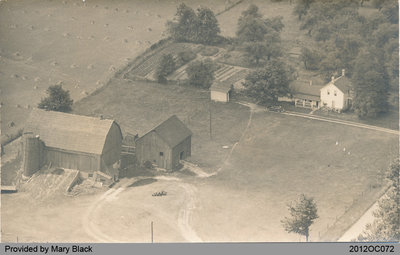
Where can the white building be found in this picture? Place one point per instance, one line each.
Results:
(337, 94)
(221, 92)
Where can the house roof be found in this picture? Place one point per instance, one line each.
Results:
(308, 97)
(172, 131)
(69, 131)
(302, 87)
(343, 83)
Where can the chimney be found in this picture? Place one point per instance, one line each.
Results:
(310, 82)
(332, 78)
(343, 72)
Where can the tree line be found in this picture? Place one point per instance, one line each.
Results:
(365, 45)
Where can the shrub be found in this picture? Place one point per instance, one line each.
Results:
(185, 57)
(209, 51)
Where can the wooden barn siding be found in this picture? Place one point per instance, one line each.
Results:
(73, 160)
(184, 146)
(148, 148)
(112, 147)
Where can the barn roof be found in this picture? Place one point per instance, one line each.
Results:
(172, 131)
(69, 131)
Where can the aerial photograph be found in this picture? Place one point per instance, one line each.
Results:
(175, 121)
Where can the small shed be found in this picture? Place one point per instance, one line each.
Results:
(221, 91)
(76, 142)
(165, 145)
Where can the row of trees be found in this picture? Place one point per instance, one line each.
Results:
(190, 26)
(365, 45)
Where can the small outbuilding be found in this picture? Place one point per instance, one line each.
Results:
(165, 145)
(221, 91)
(73, 141)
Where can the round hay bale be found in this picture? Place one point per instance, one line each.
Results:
(17, 54)
(112, 68)
(31, 27)
(18, 106)
(149, 29)
(90, 66)
(91, 37)
(28, 106)
(99, 82)
(92, 22)
(105, 25)
(84, 93)
(47, 29)
(35, 87)
(66, 34)
(73, 66)
(60, 83)
(54, 63)
(24, 78)
(106, 38)
(14, 76)
(116, 9)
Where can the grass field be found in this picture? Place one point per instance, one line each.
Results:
(278, 158)
(44, 42)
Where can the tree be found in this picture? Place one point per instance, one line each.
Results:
(58, 99)
(208, 28)
(386, 226)
(189, 26)
(266, 84)
(201, 73)
(310, 58)
(302, 216)
(302, 7)
(255, 51)
(371, 85)
(184, 29)
(165, 67)
(251, 26)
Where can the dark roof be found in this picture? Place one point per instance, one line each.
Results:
(172, 131)
(303, 87)
(343, 83)
(69, 131)
(308, 97)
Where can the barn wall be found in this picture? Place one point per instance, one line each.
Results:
(112, 147)
(185, 147)
(148, 148)
(73, 160)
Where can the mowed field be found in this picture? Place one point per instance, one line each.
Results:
(46, 42)
(276, 159)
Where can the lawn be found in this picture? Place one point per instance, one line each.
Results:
(279, 158)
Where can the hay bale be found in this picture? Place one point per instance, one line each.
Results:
(125, 40)
(92, 22)
(37, 79)
(35, 87)
(14, 76)
(24, 78)
(90, 66)
(66, 34)
(73, 66)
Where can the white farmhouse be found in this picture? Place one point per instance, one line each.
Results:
(337, 94)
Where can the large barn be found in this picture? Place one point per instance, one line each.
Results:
(165, 145)
(76, 142)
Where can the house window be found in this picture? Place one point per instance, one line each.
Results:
(161, 153)
(335, 93)
(328, 92)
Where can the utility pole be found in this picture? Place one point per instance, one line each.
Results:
(210, 122)
(151, 232)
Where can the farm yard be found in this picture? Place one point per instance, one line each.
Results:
(264, 168)
(246, 163)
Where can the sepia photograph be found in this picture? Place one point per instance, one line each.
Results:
(198, 121)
